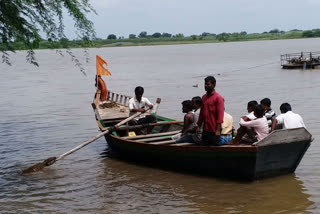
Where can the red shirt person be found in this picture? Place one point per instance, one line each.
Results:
(211, 113)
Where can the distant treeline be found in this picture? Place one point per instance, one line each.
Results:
(166, 38)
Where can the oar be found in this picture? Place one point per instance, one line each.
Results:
(52, 160)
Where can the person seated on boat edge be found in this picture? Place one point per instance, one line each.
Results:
(196, 104)
(138, 103)
(250, 106)
(188, 124)
(211, 114)
(287, 118)
(101, 85)
(259, 126)
(244, 132)
(227, 129)
(268, 112)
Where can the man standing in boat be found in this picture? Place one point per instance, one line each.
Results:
(211, 113)
(139, 104)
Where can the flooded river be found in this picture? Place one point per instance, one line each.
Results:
(46, 111)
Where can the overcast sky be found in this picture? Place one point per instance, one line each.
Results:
(123, 17)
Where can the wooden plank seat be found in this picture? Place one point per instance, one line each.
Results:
(134, 127)
(154, 139)
(163, 142)
(152, 135)
(150, 124)
(183, 144)
(117, 120)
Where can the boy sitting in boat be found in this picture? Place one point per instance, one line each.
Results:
(196, 104)
(243, 132)
(227, 129)
(188, 123)
(287, 118)
(140, 104)
(268, 112)
(259, 125)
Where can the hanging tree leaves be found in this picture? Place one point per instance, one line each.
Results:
(22, 20)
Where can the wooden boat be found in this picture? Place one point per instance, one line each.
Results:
(279, 153)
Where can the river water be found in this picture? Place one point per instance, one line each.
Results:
(46, 111)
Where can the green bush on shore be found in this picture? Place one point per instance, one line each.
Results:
(166, 38)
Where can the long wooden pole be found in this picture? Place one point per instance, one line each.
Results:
(52, 160)
(97, 137)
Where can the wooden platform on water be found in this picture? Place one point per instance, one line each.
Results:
(302, 60)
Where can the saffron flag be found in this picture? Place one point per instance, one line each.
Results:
(100, 69)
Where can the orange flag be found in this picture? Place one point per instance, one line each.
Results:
(100, 69)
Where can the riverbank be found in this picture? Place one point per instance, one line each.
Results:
(173, 40)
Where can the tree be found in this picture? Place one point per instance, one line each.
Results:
(316, 33)
(222, 37)
(168, 35)
(132, 36)
(112, 36)
(205, 34)
(179, 35)
(194, 37)
(64, 42)
(307, 33)
(143, 34)
(156, 35)
(274, 31)
(23, 20)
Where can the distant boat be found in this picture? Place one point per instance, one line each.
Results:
(277, 154)
(301, 60)
(196, 86)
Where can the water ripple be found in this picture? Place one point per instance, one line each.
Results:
(46, 111)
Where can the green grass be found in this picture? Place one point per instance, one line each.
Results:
(194, 39)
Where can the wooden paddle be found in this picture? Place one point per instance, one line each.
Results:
(52, 160)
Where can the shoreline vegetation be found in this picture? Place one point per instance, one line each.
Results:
(143, 39)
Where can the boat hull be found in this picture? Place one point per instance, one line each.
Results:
(279, 159)
(236, 162)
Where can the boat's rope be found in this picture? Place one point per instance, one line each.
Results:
(241, 69)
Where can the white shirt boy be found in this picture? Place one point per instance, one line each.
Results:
(135, 104)
(290, 120)
(260, 126)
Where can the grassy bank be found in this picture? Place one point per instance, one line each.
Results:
(193, 39)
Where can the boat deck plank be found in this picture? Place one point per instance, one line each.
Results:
(115, 112)
(154, 139)
(183, 144)
(163, 142)
(151, 135)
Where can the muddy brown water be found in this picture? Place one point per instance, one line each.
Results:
(46, 111)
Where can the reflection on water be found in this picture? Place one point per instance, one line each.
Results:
(46, 111)
(159, 191)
